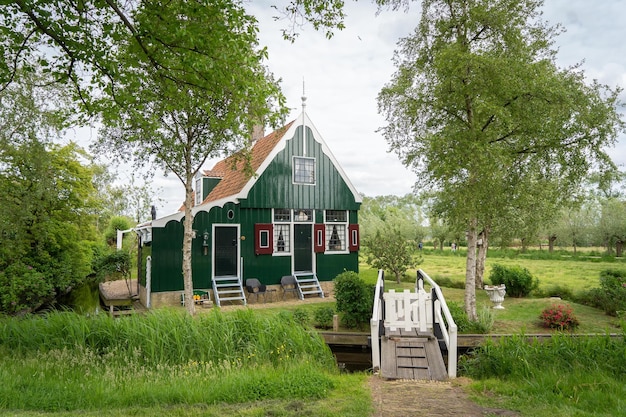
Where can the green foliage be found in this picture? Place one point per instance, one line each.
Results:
(560, 317)
(464, 325)
(113, 265)
(22, 287)
(323, 15)
(169, 336)
(323, 317)
(574, 375)
(164, 357)
(301, 316)
(390, 211)
(354, 299)
(388, 250)
(611, 296)
(47, 199)
(116, 223)
(519, 281)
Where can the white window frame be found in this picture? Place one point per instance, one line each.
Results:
(343, 224)
(296, 172)
(282, 225)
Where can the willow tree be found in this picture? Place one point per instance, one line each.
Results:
(479, 109)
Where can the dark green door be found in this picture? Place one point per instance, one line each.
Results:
(302, 248)
(225, 251)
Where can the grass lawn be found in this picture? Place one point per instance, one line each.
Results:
(33, 384)
(576, 273)
(519, 314)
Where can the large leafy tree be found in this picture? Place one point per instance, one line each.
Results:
(201, 101)
(480, 110)
(47, 197)
(391, 229)
(175, 82)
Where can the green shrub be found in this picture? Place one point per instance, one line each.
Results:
(519, 281)
(112, 265)
(459, 317)
(464, 325)
(354, 299)
(611, 296)
(323, 317)
(22, 286)
(560, 317)
(613, 288)
(301, 316)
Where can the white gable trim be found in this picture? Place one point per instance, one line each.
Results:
(302, 120)
(178, 216)
(329, 154)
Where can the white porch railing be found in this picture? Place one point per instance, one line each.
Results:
(413, 311)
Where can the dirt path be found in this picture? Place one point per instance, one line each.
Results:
(405, 398)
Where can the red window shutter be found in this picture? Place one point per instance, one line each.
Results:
(319, 238)
(353, 231)
(263, 239)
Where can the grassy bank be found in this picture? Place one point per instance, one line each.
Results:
(559, 378)
(63, 363)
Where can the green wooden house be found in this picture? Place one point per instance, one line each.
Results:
(297, 216)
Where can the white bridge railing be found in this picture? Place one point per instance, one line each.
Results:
(425, 312)
(376, 325)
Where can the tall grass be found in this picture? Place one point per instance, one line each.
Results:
(560, 377)
(64, 361)
(169, 337)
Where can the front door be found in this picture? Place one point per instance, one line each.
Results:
(302, 248)
(225, 251)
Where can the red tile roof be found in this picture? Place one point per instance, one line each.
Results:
(234, 177)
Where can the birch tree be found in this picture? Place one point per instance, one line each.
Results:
(201, 100)
(480, 111)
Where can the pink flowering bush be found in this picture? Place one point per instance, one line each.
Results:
(559, 317)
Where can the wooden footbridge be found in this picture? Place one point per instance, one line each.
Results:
(411, 332)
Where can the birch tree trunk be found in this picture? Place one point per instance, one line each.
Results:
(187, 238)
(470, 271)
(483, 238)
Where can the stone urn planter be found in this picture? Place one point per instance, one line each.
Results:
(496, 295)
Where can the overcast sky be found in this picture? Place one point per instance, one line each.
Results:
(343, 76)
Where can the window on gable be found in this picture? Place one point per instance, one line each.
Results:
(303, 170)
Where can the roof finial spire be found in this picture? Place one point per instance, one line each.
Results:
(303, 96)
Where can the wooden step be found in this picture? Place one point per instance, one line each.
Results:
(412, 358)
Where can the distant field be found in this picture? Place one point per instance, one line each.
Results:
(520, 315)
(577, 274)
